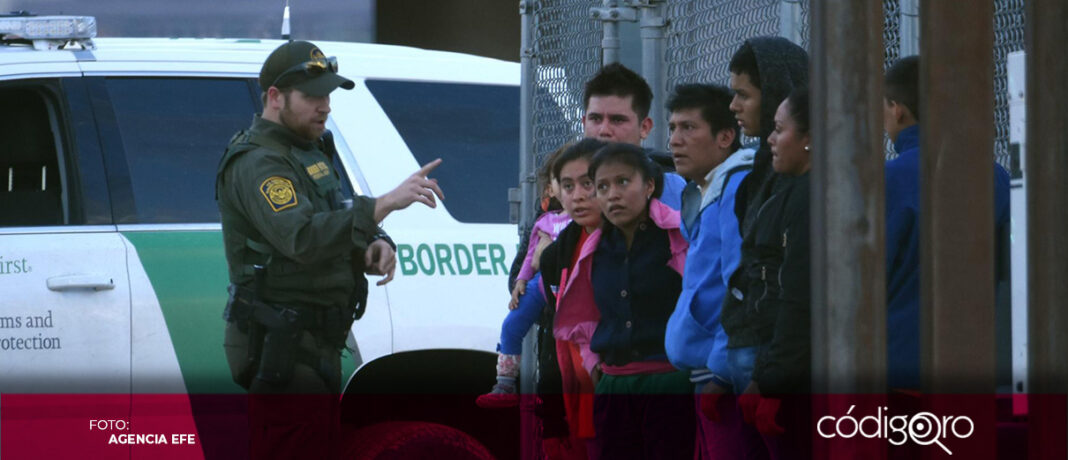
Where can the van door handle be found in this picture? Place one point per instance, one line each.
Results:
(72, 282)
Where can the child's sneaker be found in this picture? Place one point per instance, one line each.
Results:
(501, 397)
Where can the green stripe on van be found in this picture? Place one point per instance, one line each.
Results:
(188, 272)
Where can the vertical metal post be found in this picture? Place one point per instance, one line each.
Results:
(652, 25)
(529, 443)
(1016, 69)
(849, 288)
(848, 269)
(957, 244)
(790, 21)
(610, 42)
(910, 28)
(957, 197)
(1047, 215)
(528, 194)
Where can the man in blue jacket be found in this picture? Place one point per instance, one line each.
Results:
(705, 148)
(901, 118)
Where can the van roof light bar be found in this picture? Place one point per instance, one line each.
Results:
(49, 32)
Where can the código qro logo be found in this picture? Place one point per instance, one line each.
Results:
(923, 428)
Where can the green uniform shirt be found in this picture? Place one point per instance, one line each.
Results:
(282, 196)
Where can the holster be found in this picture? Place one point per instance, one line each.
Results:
(280, 348)
(273, 336)
(239, 314)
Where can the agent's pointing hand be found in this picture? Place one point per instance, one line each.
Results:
(417, 187)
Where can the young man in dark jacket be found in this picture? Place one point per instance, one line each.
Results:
(763, 71)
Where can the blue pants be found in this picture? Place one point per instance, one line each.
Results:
(518, 321)
(740, 363)
(793, 414)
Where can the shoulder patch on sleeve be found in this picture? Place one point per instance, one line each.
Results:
(279, 193)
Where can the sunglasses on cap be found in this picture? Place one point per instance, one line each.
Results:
(310, 69)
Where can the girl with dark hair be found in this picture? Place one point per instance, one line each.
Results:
(643, 406)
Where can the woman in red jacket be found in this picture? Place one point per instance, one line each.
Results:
(571, 314)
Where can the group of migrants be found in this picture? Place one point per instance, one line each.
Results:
(675, 306)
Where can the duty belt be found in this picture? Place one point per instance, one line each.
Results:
(245, 304)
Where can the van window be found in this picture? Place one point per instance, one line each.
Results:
(174, 131)
(31, 189)
(474, 128)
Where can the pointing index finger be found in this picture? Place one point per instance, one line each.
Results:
(429, 167)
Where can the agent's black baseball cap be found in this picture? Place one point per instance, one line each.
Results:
(303, 66)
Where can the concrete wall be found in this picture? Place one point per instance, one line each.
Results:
(483, 27)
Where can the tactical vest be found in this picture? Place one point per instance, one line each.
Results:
(285, 279)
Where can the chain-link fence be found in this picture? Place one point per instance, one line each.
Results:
(1008, 37)
(701, 37)
(891, 32)
(567, 52)
(891, 52)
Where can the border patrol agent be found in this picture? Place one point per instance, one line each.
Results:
(297, 252)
